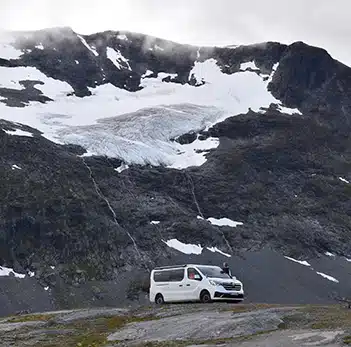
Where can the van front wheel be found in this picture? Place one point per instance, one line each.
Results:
(205, 297)
(159, 300)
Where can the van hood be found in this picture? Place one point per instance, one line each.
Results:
(223, 280)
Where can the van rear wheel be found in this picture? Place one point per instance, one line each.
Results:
(159, 300)
(205, 297)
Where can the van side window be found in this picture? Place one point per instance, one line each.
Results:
(175, 275)
(192, 273)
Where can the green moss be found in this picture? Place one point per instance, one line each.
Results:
(347, 340)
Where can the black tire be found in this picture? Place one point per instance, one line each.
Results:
(159, 300)
(205, 297)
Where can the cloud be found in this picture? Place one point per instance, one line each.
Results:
(200, 22)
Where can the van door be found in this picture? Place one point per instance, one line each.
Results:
(176, 284)
(192, 284)
(162, 284)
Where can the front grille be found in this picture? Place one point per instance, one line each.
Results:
(230, 286)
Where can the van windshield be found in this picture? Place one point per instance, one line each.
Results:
(214, 272)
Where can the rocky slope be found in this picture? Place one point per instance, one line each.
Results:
(182, 325)
(176, 135)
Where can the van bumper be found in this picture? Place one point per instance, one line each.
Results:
(228, 296)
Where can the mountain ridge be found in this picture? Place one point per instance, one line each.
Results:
(104, 178)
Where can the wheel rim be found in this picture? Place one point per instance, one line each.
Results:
(205, 297)
(159, 300)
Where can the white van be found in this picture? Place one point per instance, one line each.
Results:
(182, 283)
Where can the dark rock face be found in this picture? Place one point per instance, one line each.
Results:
(84, 228)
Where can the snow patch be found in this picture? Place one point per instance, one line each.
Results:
(18, 132)
(77, 62)
(5, 271)
(7, 51)
(52, 267)
(248, 65)
(54, 89)
(215, 249)
(147, 73)
(31, 274)
(193, 154)
(46, 288)
(302, 262)
(122, 37)
(16, 167)
(199, 217)
(155, 222)
(117, 58)
(329, 254)
(122, 168)
(40, 46)
(183, 247)
(224, 222)
(87, 46)
(330, 278)
(158, 48)
(343, 180)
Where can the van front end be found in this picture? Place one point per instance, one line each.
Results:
(226, 291)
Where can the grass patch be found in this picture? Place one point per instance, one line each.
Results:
(332, 317)
(31, 318)
(347, 340)
(92, 332)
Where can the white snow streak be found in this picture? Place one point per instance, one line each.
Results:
(87, 46)
(224, 222)
(302, 262)
(40, 46)
(16, 167)
(77, 62)
(343, 180)
(155, 222)
(158, 48)
(329, 254)
(117, 58)
(330, 278)
(215, 249)
(18, 132)
(5, 271)
(183, 247)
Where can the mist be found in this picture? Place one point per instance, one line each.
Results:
(199, 22)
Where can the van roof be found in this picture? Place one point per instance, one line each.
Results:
(183, 265)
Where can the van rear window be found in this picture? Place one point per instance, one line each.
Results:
(175, 275)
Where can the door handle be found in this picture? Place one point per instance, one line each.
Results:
(180, 285)
(188, 285)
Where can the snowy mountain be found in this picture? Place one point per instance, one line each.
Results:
(122, 151)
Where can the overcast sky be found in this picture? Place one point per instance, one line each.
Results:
(323, 23)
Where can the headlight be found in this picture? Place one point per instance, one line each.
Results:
(213, 283)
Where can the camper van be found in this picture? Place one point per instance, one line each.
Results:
(183, 283)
